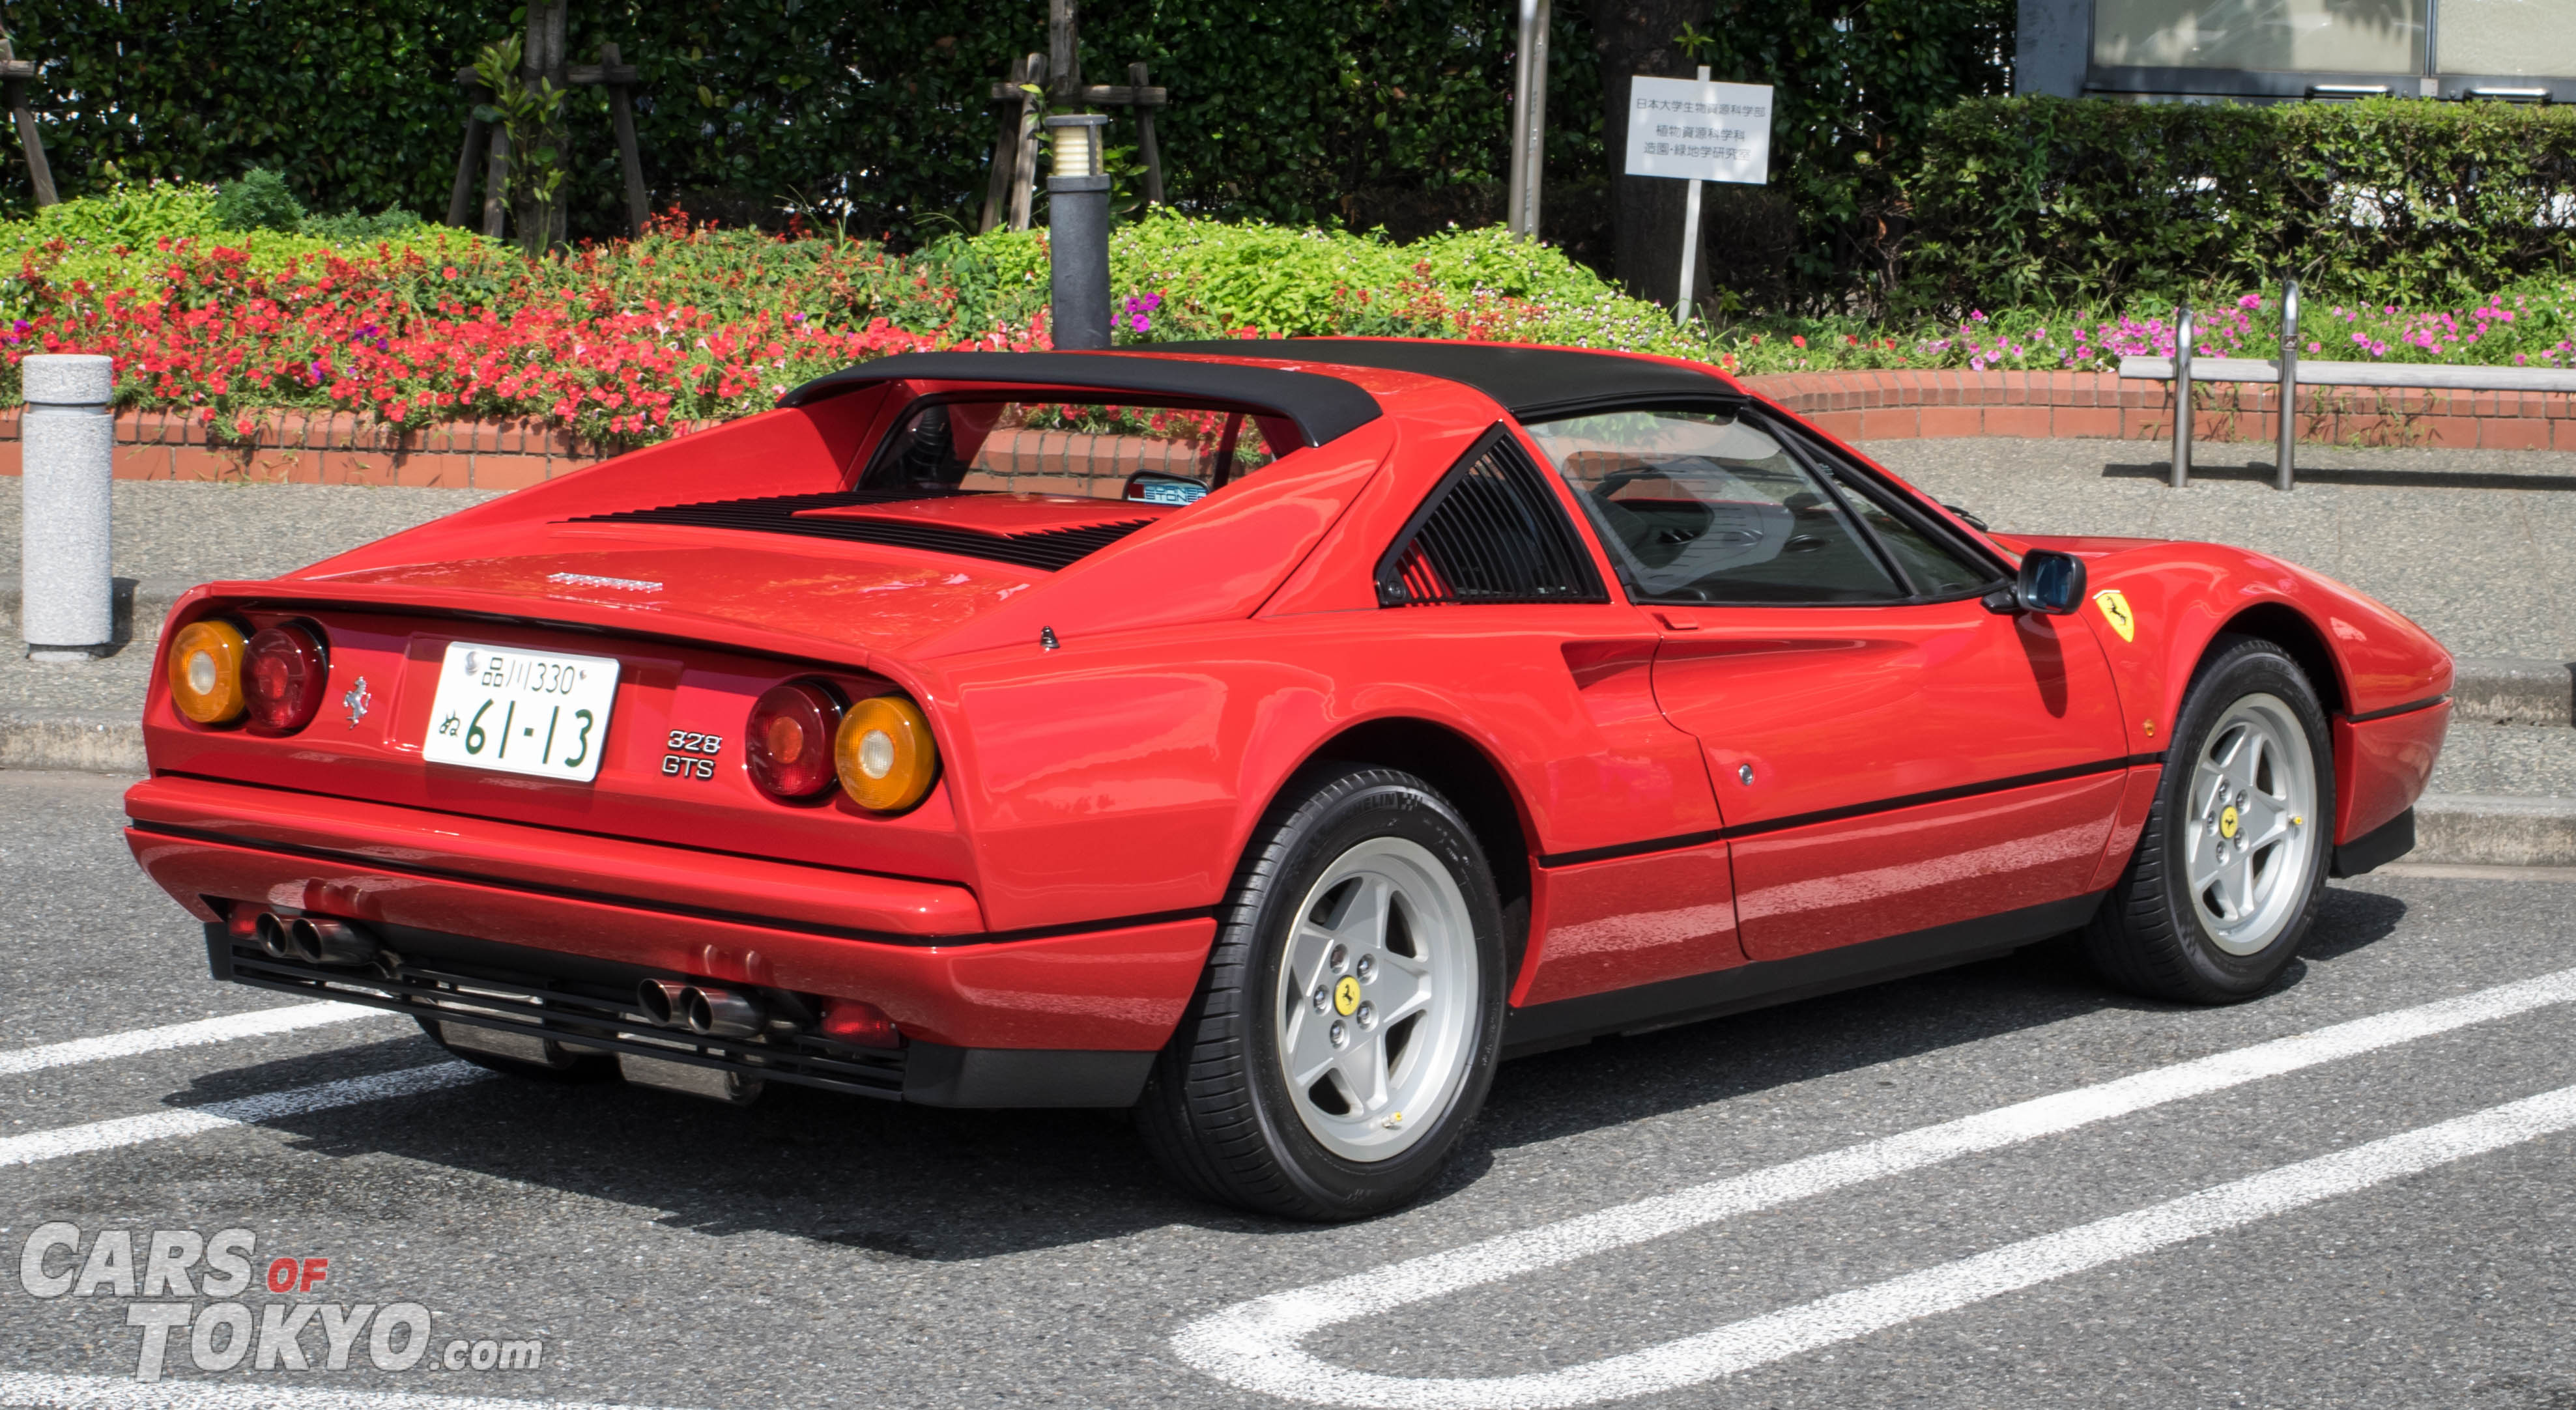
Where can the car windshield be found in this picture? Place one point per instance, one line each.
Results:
(1136, 452)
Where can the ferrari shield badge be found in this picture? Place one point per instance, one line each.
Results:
(2115, 610)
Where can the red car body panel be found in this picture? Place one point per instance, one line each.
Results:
(1691, 793)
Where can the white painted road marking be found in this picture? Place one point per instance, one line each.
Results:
(229, 1028)
(116, 1393)
(1757, 1341)
(266, 1106)
(1256, 1344)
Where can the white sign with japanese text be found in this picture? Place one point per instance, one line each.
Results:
(1695, 131)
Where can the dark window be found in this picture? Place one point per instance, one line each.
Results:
(1709, 506)
(1491, 531)
(1133, 451)
(1935, 564)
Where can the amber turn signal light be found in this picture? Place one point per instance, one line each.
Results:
(205, 667)
(884, 754)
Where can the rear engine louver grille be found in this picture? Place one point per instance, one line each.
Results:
(1490, 532)
(1047, 549)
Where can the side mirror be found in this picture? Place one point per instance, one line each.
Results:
(2051, 584)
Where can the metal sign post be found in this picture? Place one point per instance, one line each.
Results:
(1529, 119)
(1698, 131)
(2283, 473)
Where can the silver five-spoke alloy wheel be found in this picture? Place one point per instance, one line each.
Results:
(1377, 999)
(2251, 828)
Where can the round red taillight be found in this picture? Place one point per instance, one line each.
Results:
(788, 742)
(283, 672)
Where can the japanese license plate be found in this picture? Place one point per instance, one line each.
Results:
(521, 712)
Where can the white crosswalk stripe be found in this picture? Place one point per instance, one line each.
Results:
(230, 1028)
(214, 1116)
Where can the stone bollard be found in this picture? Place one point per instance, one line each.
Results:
(68, 611)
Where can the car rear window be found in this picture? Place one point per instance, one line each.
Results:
(1138, 452)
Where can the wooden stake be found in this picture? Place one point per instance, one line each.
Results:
(460, 197)
(496, 185)
(1024, 173)
(17, 72)
(1006, 148)
(630, 158)
(1064, 53)
(1145, 145)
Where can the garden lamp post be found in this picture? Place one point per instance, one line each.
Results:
(1078, 231)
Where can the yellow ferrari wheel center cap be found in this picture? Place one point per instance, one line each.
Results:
(1346, 996)
(2227, 823)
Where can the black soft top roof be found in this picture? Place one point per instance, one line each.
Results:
(1531, 383)
(1323, 408)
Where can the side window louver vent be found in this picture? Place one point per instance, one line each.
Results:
(1490, 532)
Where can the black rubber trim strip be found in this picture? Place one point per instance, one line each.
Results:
(1763, 983)
(1632, 849)
(1529, 382)
(2408, 708)
(570, 893)
(1324, 408)
(1823, 815)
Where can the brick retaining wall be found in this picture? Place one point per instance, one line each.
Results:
(338, 448)
(1910, 404)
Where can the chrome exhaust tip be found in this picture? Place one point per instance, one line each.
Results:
(323, 940)
(660, 1000)
(720, 1013)
(270, 931)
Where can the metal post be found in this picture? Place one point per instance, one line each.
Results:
(69, 442)
(1078, 232)
(1690, 243)
(1529, 120)
(2283, 475)
(2182, 398)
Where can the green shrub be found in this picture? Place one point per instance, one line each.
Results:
(134, 216)
(258, 201)
(2052, 202)
(349, 227)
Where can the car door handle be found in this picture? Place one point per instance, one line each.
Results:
(1678, 621)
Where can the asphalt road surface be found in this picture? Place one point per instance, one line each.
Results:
(1998, 1186)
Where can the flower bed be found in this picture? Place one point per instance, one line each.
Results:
(631, 342)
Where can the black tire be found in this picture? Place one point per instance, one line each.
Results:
(574, 1067)
(1217, 1111)
(2149, 937)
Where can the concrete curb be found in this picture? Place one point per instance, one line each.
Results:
(2487, 829)
(2513, 690)
(82, 740)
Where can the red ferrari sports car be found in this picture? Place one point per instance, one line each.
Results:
(1269, 736)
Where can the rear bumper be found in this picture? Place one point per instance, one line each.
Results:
(1116, 987)
(456, 980)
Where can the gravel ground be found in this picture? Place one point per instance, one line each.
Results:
(2472, 544)
(202, 531)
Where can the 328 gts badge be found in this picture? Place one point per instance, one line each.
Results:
(693, 755)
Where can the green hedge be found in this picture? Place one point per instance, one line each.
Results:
(1281, 109)
(2051, 202)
